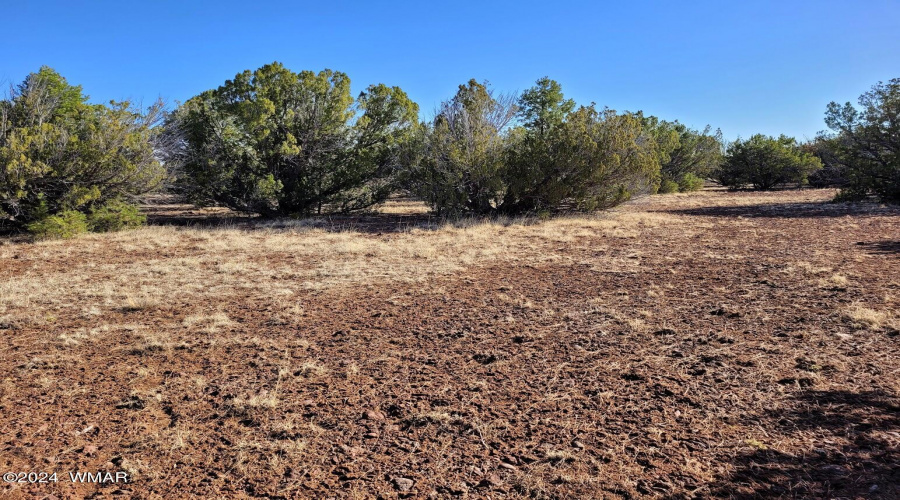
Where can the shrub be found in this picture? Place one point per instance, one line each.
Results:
(115, 215)
(460, 165)
(666, 186)
(58, 153)
(470, 162)
(273, 141)
(833, 172)
(690, 182)
(682, 151)
(591, 160)
(766, 162)
(64, 225)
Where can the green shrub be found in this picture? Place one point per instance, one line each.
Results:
(276, 142)
(472, 162)
(593, 159)
(682, 150)
(58, 152)
(115, 215)
(667, 186)
(462, 155)
(766, 162)
(690, 182)
(64, 225)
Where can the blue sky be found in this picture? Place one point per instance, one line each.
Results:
(746, 67)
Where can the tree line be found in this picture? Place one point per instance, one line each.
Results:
(281, 143)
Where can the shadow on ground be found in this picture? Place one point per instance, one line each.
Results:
(374, 223)
(186, 215)
(854, 451)
(881, 247)
(170, 210)
(791, 210)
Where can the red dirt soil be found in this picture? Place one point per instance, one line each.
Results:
(751, 350)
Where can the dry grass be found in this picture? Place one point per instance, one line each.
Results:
(278, 263)
(403, 206)
(208, 323)
(864, 317)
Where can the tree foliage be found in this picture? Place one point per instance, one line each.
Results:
(460, 164)
(544, 106)
(273, 141)
(826, 148)
(863, 148)
(684, 154)
(472, 161)
(59, 153)
(766, 162)
(591, 159)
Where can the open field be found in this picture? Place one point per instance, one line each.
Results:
(698, 345)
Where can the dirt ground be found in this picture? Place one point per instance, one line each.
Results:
(706, 345)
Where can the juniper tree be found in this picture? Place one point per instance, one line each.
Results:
(60, 153)
(272, 141)
(865, 144)
(686, 156)
(460, 166)
(766, 162)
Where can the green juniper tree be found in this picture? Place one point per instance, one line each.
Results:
(273, 141)
(559, 157)
(460, 167)
(865, 145)
(581, 158)
(59, 154)
(686, 156)
(766, 162)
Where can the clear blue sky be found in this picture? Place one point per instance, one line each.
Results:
(746, 67)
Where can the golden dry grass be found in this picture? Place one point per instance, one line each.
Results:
(276, 263)
(865, 317)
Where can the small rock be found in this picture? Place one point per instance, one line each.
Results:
(485, 359)
(90, 450)
(508, 466)
(91, 429)
(836, 470)
(578, 444)
(371, 435)
(355, 451)
(494, 480)
(374, 415)
(403, 483)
